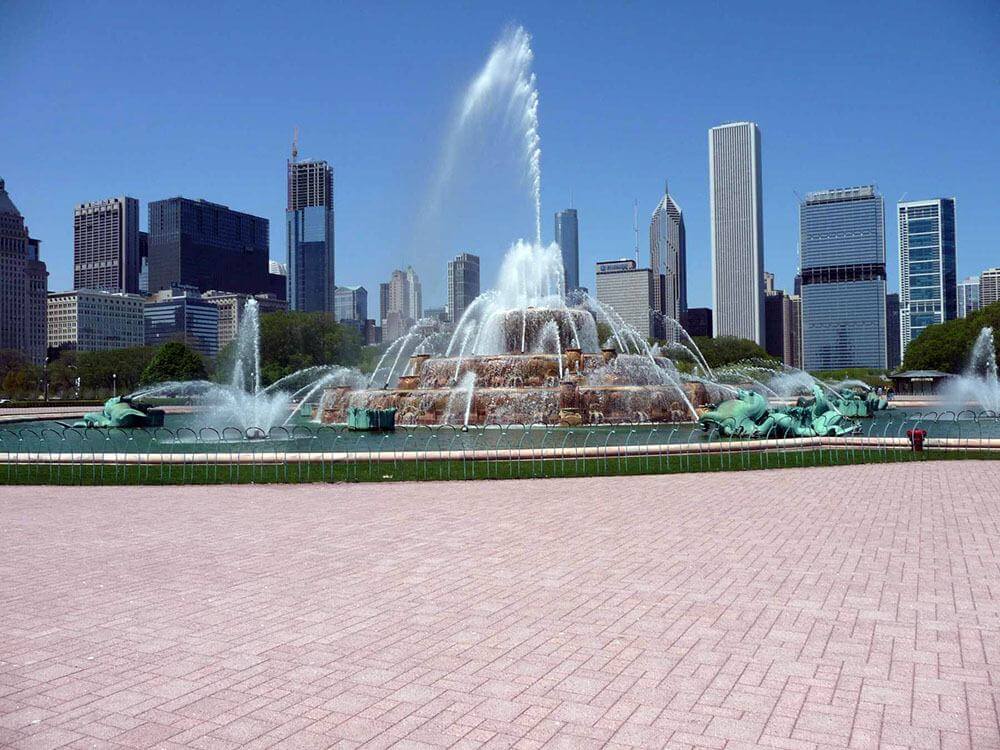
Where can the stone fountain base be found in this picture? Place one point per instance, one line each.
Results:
(571, 389)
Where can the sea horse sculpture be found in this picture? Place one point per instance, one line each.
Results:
(121, 411)
(749, 415)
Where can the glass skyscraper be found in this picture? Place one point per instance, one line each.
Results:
(842, 261)
(309, 218)
(968, 296)
(927, 280)
(206, 245)
(567, 237)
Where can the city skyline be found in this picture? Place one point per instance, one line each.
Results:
(868, 142)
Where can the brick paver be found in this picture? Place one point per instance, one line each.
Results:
(812, 608)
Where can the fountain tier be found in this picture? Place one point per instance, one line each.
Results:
(555, 382)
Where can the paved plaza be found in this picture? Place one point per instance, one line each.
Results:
(799, 608)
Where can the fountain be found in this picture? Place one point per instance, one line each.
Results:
(243, 402)
(978, 384)
(524, 353)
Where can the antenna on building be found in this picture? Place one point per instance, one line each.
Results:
(295, 144)
(635, 227)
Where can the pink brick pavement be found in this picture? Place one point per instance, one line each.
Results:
(801, 608)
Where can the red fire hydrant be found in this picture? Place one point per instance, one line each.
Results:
(916, 439)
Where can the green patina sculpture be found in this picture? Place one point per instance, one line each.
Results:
(850, 404)
(122, 412)
(749, 415)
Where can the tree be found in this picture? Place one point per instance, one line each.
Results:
(101, 370)
(725, 350)
(948, 346)
(19, 378)
(174, 360)
(291, 341)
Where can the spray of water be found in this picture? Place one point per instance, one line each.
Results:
(506, 85)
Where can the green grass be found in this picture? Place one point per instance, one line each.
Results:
(374, 471)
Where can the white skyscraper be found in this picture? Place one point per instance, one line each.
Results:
(737, 231)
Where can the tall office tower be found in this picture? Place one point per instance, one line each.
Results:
(23, 285)
(351, 303)
(143, 262)
(310, 220)
(629, 292)
(668, 257)
(401, 302)
(842, 257)
(106, 245)
(735, 200)
(892, 351)
(463, 282)
(792, 329)
(927, 276)
(568, 238)
(967, 299)
(989, 287)
(383, 302)
(88, 320)
(416, 308)
(206, 245)
(774, 318)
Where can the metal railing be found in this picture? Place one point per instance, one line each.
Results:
(42, 454)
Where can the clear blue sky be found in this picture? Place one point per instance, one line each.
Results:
(199, 99)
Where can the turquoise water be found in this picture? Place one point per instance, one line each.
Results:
(182, 433)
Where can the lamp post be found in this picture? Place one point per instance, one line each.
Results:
(77, 381)
(114, 384)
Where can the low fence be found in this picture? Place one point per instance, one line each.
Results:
(61, 455)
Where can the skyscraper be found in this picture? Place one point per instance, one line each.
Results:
(106, 252)
(416, 308)
(967, 299)
(351, 303)
(774, 318)
(892, 351)
(143, 262)
(989, 287)
(23, 285)
(735, 201)
(568, 238)
(401, 300)
(842, 259)
(206, 245)
(463, 282)
(668, 256)
(310, 220)
(927, 276)
(792, 329)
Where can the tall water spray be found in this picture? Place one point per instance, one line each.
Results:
(505, 85)
(979, 384)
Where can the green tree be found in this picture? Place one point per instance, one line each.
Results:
(948, 346)
(19, 378)
(725, 350)
(174, 360)
(290, 341)
(99, 371)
